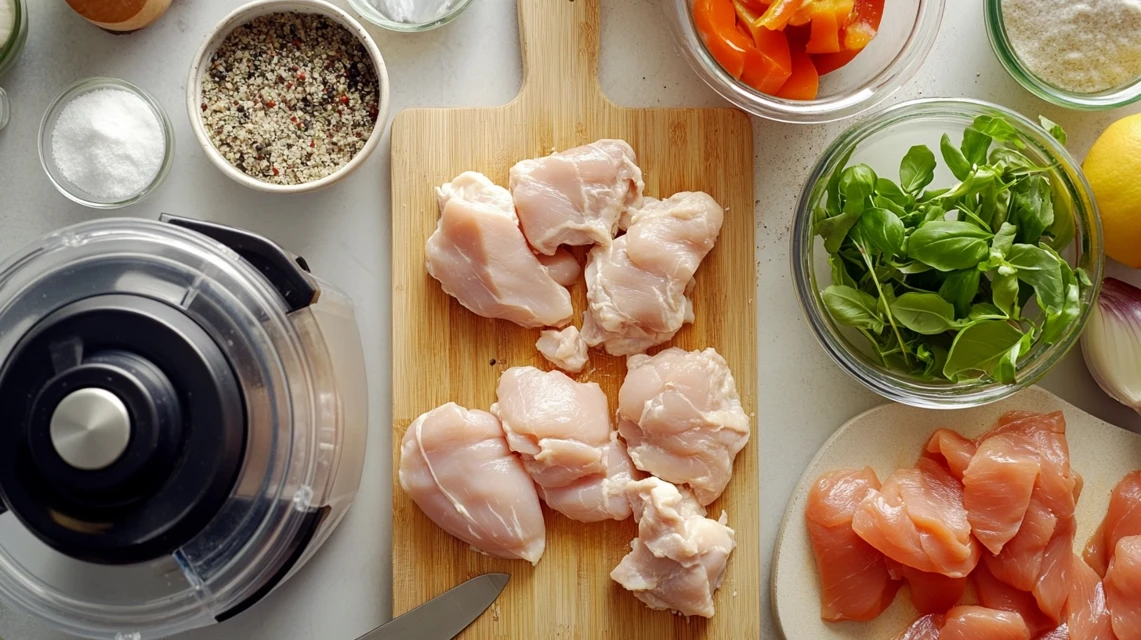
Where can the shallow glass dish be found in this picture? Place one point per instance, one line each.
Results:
(10, 50)
(905, 37)
(1113, 98)
(369, 12)
(881, 142)
(47, 126)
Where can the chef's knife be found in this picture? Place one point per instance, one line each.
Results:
(446, 615)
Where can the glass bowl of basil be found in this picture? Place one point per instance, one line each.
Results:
(946, 252)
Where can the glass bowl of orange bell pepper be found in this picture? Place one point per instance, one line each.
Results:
(805, 60)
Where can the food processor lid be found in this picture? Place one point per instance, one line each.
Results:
(130, 428)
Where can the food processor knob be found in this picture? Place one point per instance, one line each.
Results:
(90, 429)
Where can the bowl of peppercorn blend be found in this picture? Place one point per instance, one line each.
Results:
(288, 96)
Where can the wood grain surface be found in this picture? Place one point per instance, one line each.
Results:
(442, 352)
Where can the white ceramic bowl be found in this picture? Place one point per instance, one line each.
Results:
(243, 15)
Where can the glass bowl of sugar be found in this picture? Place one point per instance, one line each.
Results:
(105, 143)
(1077, 55)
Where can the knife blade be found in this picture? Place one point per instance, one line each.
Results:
(446, 615)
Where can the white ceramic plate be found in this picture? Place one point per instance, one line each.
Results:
(892, 436)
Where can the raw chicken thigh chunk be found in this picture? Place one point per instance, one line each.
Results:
(456, 466)
(1122, 520)
(562, 266)
(576, 197)
(1123, 588)
(678, 560)
(682, 418)
(562, 431)
(481, 258)
(566, 348)
(638, 286)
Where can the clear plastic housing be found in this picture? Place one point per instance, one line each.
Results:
(305, 438)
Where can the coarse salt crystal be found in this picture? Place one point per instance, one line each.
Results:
(108, 143)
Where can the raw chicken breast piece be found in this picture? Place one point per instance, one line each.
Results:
(678, 560)
(455, 464)
(1060, 633)
(562, 431)
(1087, 615)
(917, 519)
(925, 628)
(575, 197)
(562, 266)
(681, 417)
(1123, 588)
(479, 256)
(980, 623)
(1020, 562)
(854, 579)
(995, 594)
(952, 450)
(996, 488)
(930, 592)
(565, 349)
(637, 287)
(1122, 520)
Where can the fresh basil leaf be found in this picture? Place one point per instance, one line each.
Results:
(984, 310)
(1057, 323)
(979, 347)
(960, 289)
(933, 358)
(833, 186)
(883, 305)
(1062, 230)
(956, 161)
(931, 194)
(891, 191)
(881, 229)
(998, 129)
(975, 146)
(884, 203)
(1012, 161)
(913, 267)
(857, 184)
(1053, 128)
(1004, 293)
(1033, 209)
(840, 271)
(852, 307)
(979, 180)
(1037, 268)
(917, 169)
(1007, 368)
(949, 246)
(835, 229)
(924, 313)
(1000, 245)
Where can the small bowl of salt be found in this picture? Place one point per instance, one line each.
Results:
(106, 143)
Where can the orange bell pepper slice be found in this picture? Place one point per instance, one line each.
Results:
(804, 83)
(768, 70)
(863, 24)
(779, 13)
(716, 23)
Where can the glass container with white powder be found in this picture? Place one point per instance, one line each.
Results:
(106, 143)
(409, 15)
(1078, 54)
(13, 35)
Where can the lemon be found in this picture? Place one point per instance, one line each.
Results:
(1113, 168)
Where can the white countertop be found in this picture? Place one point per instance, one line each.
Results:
(344, 232)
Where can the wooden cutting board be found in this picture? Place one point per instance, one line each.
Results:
(891, 436)
(442, 352)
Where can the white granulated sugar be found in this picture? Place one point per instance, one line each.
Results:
(1082, 46)
(109, 143)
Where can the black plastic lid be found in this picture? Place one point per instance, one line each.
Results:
(187, 429)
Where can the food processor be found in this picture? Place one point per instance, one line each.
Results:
(184, 424)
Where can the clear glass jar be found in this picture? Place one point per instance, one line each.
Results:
(881, 142)
(905, 37)
(369, 10)
(10, 50)
(1113, 98)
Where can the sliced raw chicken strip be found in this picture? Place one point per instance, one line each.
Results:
(1060, 633)
(565, 349)
(995, 594)
(562, 431)
(562, 266)
(952, 450)
(1087, 615)
(1122, 520)
(980, 623)
(575, 197)
(678, 560)
(996, 488)
(930, 592)
(455, 464)
(637, 286)
(854, 580)
(917, 519)
(1123, 588)
(682, 418)
(925, 628)
(481, 259)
